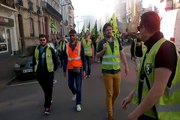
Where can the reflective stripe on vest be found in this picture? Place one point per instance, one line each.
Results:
(49, 60)
(87, 47)
(62, 45)
(74, 58)
(168, 105)
(111, 61)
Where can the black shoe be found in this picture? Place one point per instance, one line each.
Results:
(47, 111)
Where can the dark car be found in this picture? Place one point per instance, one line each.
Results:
(23, 65)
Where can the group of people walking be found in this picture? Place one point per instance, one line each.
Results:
(156, 92)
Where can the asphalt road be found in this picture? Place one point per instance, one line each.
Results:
(24, 101)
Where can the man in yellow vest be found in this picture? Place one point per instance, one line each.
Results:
(110, 50)
(157, 90)
(62, 44)
(89, 52)
(45, 64)
(75, 63)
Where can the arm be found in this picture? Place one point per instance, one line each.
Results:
(83, 58)
(162, 76)
(101, 49)
(124, 60)
(55, 59)
(127, 100)
(65, 61)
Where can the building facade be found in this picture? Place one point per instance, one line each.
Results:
(67, 11)
(8, 38)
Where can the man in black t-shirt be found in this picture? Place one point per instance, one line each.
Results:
(157, 71)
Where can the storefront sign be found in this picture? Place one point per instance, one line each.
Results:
(6, 22)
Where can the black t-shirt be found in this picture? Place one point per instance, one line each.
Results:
(166, 56)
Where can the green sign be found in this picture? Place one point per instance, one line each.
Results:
(6, 22)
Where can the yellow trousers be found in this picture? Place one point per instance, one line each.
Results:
(112, 86)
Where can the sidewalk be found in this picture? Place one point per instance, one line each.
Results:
(6, 72)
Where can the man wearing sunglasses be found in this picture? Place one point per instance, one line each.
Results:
(45, 64)
(157, 90)
(75, 63)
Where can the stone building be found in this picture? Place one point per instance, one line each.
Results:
(8, 38)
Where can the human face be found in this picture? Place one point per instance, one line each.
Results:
(108, 32)
(142, 30)
(72, 37)
(42, 41)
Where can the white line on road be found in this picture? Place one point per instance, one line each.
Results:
(29, 83)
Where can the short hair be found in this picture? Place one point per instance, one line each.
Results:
(42, 35)
(151, 21)
(106, 25)
(72, 32)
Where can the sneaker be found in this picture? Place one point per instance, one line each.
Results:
(78, 108)
(47, 111)
(74, 97)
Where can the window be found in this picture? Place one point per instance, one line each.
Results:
(3, 41)
(31, 27)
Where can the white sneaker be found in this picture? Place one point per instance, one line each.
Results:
(74, 97)
(78, 108)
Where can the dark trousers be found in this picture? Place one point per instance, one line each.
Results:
(46, 83)
(75, 83)
(88, 63)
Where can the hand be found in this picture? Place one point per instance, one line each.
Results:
(83, 74)
(65, 75)
(125, 102)
(132, 116)
(104, 46)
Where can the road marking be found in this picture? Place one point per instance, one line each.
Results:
(28, 83)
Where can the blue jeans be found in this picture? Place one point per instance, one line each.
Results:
(75, 88)
(88, 63)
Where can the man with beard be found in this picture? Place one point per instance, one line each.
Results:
(110, 50)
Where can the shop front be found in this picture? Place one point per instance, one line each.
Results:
(6, 28)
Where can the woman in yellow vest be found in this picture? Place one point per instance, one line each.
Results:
(111, 51)
(157, 90)
(45, 63)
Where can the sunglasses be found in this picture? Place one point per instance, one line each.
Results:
(71, 35)
(42, 39)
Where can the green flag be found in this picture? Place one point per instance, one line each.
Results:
(113, 22)
(94, 30)
(88, 27)
(83, 30)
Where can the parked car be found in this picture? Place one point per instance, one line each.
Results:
(23, 65)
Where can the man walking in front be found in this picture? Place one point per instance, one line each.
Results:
(110, 50)
(44, 64)
(157, 90)
(75, 63)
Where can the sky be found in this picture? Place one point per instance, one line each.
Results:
(99, 9)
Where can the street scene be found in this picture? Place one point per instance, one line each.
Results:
(24, 100)
(89, 59)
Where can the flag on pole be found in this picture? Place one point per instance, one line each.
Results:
(94, 30)
(113, 22)
(88, 27)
